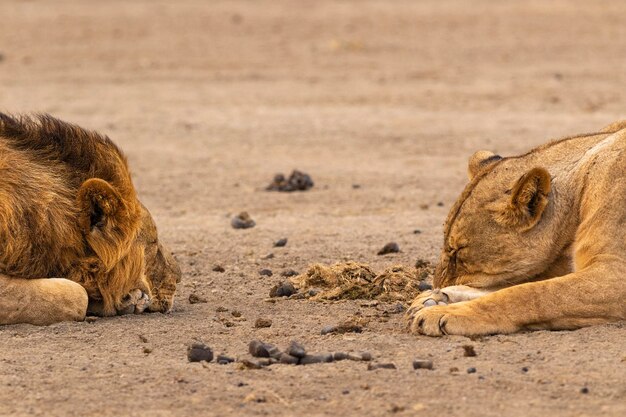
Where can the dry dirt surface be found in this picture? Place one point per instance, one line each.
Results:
(381, 102)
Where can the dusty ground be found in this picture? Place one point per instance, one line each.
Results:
(210, 99)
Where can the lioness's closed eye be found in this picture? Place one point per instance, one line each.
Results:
(68, 209)
(534, 242)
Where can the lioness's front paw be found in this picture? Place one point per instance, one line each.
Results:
(136, 302)
(427, 299)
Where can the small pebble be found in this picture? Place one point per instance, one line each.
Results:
(218, 268)
(391, 247)
(356, 186)
(242, 221)
(417, 231)
(440, 204)
(262, 323)
(221, 309)
(471, 370)
(340, 356)
(373, 366)
(424, 286)
(454, 369)
(366, 356)
(236, 313)
(147, 350)
(296, 349)
(282, 289)
(280, 243)
(268, 256)
(422, 364)
(289, 273)
(143, 338)
(468, 351)
(196, 299)
(584, 390)
(198, 352)
(266, 272)
(224, 360)
(525, 369)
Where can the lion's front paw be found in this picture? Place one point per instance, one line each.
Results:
(431, 321)
(136, 302)
(427, 299)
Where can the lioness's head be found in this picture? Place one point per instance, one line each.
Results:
(127, 254)
(495, 235)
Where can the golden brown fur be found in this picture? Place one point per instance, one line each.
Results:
(536, 241)
(68, 209)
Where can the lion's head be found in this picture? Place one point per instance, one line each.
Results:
(124, 249)
(495, 234)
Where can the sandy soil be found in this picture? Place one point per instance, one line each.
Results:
(210, 99)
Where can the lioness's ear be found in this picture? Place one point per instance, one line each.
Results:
(99, 204)
(480, 160)
(529, 198)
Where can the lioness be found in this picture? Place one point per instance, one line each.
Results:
(536, 241)
(73, 234)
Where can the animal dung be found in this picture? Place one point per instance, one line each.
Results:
(297, 181)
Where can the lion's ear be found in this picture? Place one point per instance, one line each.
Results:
(480, 160)
(99, 205)
(529, 198)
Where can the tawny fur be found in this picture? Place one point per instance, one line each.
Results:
(534, 242)
(68, 209)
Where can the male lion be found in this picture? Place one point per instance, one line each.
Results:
(536, 241)
(73, 234)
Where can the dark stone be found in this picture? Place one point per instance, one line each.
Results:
(422, 364)
(471, 370)
(320, 358)
(280, 243)
(584, 390)
(198, 352)
(391, 247)
(296, 349)
(424, 286)
(218, 268)
(373, 366)
(258, 349)
(282, 289)
(242, 221)
(287, 359)
(266, 272)
(289, 273)
(224, 360)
